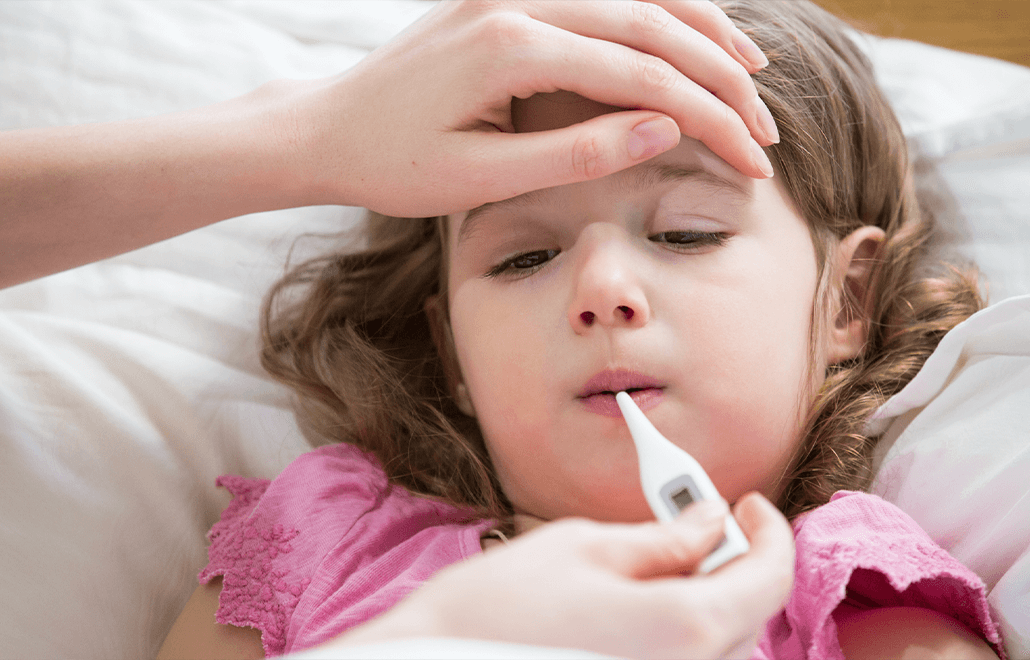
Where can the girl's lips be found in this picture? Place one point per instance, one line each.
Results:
(603, 403)
(616, 380)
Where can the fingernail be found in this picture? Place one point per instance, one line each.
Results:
(653, 137)
(708, 511)
(749, 51)
(761, 160)
(766, 121)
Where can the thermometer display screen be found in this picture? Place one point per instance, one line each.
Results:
(682, 498)
(679, 493)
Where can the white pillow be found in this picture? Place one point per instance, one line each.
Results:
(127, 386)
(972, 113)
(957, 455)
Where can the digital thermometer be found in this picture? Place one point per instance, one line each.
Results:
(672, 479)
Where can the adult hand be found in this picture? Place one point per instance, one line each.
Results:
(423, 125)
(609, 588)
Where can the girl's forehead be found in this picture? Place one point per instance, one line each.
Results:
(690, 160)
(542, 112)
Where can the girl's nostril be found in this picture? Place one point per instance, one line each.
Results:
(626, 311)
(588, 317)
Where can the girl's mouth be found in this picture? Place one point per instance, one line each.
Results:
(603, 402)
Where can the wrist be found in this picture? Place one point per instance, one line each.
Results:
(269, 141)
(308, 128)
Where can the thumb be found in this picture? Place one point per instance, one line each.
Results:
(769, 563)
(659, 549)
(588, 150)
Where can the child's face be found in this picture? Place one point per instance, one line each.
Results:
(716, 329)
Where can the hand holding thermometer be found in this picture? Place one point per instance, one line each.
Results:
(672, 479)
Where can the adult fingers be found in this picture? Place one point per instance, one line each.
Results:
(708, 19)
(769, 565)
(624, 77)
(661, 549)
(507, 165)
(723, 609)
(703, 16)
(649, 28)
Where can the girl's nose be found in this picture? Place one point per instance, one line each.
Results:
(608, 292)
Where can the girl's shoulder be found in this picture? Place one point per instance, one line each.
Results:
(319, 493)
(327, 472)
(863, 552)
(329, 534)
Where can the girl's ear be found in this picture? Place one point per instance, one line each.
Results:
(443, 339)
(856, 258)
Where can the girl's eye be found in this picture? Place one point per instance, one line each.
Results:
(690, 239)
(523, 264)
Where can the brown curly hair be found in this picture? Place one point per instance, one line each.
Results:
(844, 162)
(350, 332)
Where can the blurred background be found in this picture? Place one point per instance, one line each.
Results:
(997, 28)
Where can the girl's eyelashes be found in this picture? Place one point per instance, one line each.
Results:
(690, 239)
(527, 263)
(521, 265)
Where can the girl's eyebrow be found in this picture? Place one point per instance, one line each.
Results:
(649, 176)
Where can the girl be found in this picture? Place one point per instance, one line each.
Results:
(469, 362)
(78, 193)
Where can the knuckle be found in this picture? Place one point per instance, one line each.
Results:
(505, 31)
(656, 75)
(589, 157)
(476, 7)
(648, 19)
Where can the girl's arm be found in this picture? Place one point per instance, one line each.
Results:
(195, 633)
(420, 127)
(906, 633)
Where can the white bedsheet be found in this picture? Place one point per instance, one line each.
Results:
(127, 386)
(957, 456)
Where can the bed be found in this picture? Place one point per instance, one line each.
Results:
(128, 385)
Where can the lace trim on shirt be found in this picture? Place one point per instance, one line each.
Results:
(254, 593)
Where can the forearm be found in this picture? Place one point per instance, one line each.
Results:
(421, 127)
(76, 194)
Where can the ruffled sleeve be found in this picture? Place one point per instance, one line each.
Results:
(258, 590)
(327, 545)
(271, 537)
(865, 549)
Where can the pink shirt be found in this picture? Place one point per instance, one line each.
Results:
(330, 544)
